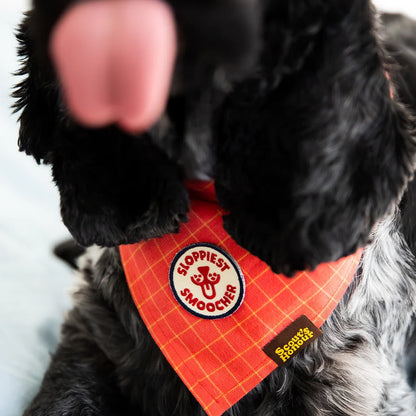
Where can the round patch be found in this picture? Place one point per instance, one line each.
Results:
(207, 281)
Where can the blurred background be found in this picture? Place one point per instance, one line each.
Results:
(34, 290)
(34, 287)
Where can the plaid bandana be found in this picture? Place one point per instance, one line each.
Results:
(217, 312)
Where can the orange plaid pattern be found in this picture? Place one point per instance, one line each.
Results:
(221, 360)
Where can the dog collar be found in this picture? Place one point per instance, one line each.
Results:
(220, 316)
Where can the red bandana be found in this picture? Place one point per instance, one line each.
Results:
(212, 307)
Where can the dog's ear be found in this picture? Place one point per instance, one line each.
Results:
(115, 188)
(36, 95)
(315, 150)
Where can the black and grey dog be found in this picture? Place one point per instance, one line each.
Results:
(301, 111)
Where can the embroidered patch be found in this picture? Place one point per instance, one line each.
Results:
(207, 281)
(292, 340)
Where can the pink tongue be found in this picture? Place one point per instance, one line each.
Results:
(115, 60)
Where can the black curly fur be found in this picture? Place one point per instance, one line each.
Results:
(302, 145)
(305, 168)
(117, 188)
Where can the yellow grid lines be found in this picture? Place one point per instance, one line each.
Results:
(185, 346)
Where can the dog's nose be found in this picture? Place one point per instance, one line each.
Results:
(115, 58)
(115, 61)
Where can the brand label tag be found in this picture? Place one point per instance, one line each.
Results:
(292, 340)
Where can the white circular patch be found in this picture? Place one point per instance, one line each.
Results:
(207, 281)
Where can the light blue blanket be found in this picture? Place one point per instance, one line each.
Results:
(34, 289)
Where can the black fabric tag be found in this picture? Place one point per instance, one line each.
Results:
(292, 340)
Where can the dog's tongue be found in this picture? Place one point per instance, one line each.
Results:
(115, 61)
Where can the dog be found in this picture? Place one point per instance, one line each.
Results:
(302, 114)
